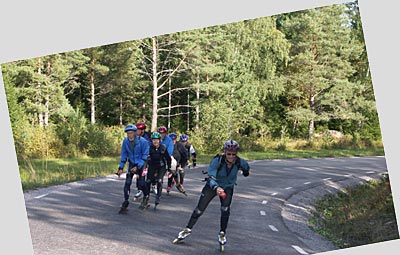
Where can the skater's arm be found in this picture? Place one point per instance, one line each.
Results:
(124, 156)
(168, 159)
(245, 167)
(212, 173)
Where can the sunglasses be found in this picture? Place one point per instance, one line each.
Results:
(231, 154)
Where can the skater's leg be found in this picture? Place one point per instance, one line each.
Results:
(160, 180)
(127, 186)
(181, 176)
(225, 208)
(207, 194)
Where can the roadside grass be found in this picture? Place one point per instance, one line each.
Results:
(275, 154)
(360, 215)
(38, 173)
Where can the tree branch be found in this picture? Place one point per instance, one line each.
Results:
(172, 90)
(175, 106)
(176, 114)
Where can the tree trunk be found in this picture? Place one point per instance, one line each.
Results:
(92, 91)
(169, 104)
(155, 86)
(120, 106)
(311, 123)
(39, 102)
(47, 103)
(197, 105)
(188, 111)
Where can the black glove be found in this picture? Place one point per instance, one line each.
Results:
(246, 173)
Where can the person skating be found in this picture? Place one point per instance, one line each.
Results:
(134, 150)
(181, 156)
(222, 176)
(184, 139)
(141, 132)
(158, 162)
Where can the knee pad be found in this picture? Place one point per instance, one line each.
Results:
(160, 181)
(197, 212)
(225, 209)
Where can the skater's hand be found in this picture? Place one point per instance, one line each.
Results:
(134, 169)
(119, 172)
(220, 191)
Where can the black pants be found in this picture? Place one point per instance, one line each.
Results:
(155, 176)
(207, 194)
(128, 183)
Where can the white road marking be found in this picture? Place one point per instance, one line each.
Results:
(299, 250)
(273, 228)
(347, 175)
(274, 194)
(370, 172)
(262, 213)
(288, 188)
(41, 196)
(264, 202)
(306, 168)
(327, 179)
(307, 183)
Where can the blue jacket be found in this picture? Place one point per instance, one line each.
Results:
(139, 154)
(221, 178)
(168, 144)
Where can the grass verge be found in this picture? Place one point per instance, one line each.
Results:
(360, 215)
(38, 173)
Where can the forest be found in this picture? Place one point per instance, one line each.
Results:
(298, 77)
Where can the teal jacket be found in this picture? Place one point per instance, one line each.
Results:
(221, 178)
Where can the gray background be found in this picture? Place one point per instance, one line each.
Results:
(37, 28)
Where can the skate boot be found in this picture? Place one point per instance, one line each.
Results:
(137, 195)
(181, 189)
(124, 207)
(168, 189)
(222, 240)
(145, 203)
(182, 235)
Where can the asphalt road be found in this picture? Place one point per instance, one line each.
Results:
(82, 218)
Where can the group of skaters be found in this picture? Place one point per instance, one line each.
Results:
(151, 156)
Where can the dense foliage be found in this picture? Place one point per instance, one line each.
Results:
(290, 76)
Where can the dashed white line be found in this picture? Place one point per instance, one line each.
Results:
(370, 172)
(327, 179)
(307, 183)
(262, 213)
(264, 202)
(274, 194)
(273, 228)
(41, 196)
(347, 175)
(299, 250)
(306, 168)
(288, 188)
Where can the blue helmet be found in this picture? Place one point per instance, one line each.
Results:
(130, 127)
(173, 136)
(184, 137)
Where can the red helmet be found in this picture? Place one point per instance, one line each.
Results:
(162, 129)
(141, 125)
